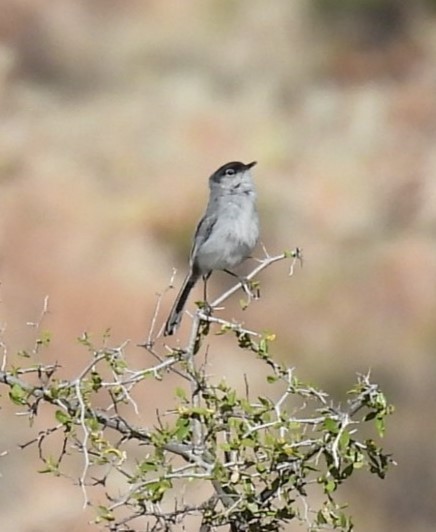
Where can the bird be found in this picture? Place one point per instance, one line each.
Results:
(226, 234)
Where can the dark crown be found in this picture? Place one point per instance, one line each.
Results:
(236, 166)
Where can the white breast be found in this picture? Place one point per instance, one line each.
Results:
(233, 237)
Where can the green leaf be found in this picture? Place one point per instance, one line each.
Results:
(249, 442)
(18, 395)
(148, 466)
(93, 424)
(263, 346)
(180, 393)
(243, 304)
(52, 466)
(63, 417)
(158, 489)
(331, 425)
(265, 402)
(294, 425)
(290, 253)
(329, 486)
(183, 429)
(320, 518)
(85, 340)
(344, 440)
(380, 426)
(105, 514)
(118, 365)
(223, 329)
(347, 471)
(96, 381)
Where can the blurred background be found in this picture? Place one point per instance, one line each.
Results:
(113, 113)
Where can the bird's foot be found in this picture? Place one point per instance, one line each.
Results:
(205, 307)
(251, 289)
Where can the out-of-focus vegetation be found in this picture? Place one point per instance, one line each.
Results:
(113, 114)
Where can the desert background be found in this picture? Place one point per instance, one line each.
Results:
(113, 113)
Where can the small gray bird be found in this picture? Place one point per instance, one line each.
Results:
(225, 236)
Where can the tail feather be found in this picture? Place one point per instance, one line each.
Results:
(176, 313)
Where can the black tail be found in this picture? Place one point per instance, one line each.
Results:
(175, 316)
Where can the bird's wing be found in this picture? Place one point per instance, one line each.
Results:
(202, 233)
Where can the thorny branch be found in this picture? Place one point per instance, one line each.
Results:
(257, 455)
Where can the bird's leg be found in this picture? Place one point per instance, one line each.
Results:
(205, 288)
(206, 307)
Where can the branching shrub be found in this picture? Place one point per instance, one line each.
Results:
(219, 458)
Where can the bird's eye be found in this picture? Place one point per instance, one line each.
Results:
(230, 172)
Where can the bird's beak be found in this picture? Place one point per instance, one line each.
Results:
(250, 165)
